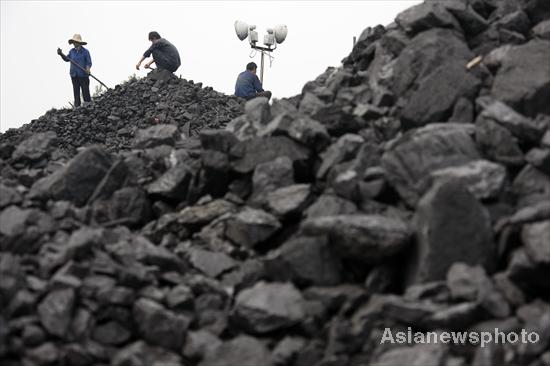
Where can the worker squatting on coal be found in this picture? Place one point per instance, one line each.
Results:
(248, 86)
(165, 54)
(81, 63)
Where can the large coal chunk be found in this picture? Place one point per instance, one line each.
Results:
(436, 95)
(160, 326)
(77, 180)
(55, 311)
(246, 155)
(305, 261)
(20, 229)
(482, 178)
(417, 153)
(156, 136)
(251, 227)
(141, 353)
(36, 147)
(430, 14)
(524, 82)
(451, 225)
(535, 239)
(266, 307)
(242, 350)
(426, 53)
(368, 238)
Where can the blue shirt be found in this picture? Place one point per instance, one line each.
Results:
(247, 85)
(81, 57)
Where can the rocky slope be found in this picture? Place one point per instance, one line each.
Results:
(409, 189)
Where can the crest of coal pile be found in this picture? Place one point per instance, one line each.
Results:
(407, 189)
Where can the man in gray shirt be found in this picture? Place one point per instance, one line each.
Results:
(165, 55)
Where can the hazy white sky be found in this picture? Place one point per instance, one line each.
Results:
(34, 79)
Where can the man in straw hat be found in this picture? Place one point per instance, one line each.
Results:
(165, 54)
(79, 77)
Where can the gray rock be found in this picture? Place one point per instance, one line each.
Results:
(524, 82)
(111, 333)
(45, 354)
(417, 153)
(8, 196)
(160, 326)
(497, 143)
(424, 62)
(140, 353)
(369, 238)
(520, 126)
(218, 140)
(426, 16)
(199, 344)
(305, 130)
(471, 21)
(418, 355)
(174, 183)
(56, 310)
(343, 149)
(246, 155)
(156, 135)
(437, 94)
(463, 111)
(305, 261)
(267, 307)
(200, 215)
(130, 206)
(330, 205)
(472, 283)
(37, 147)
(285, 351)
(451, 226)
(482, 178)
(242, 350)
(542, 30)
(532, 186)
(251, 226)
(76, 181)
(540, 159)
(535, 237)
(210, 263)
(271, 175)
(288, 200)
(21, 228)
(257, 110)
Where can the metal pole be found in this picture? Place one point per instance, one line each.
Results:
(262, 70)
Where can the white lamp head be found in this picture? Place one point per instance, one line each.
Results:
(241, 28)
(281, 31)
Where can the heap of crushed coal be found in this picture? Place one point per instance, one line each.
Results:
(408, 189)
(113, 118)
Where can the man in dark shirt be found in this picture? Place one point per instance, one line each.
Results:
(165, 54)
(248, 85)
(79, 77)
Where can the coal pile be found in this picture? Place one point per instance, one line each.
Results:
(116, 115)
(408, 189)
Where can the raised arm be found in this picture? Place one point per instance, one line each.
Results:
(63, 57)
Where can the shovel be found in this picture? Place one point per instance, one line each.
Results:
(83, 69)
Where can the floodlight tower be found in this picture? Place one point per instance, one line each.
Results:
(274, 36)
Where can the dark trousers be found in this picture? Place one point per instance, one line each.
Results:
(84, 84)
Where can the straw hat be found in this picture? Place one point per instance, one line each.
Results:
(77, 39)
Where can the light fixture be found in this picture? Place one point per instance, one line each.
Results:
(274, 36)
